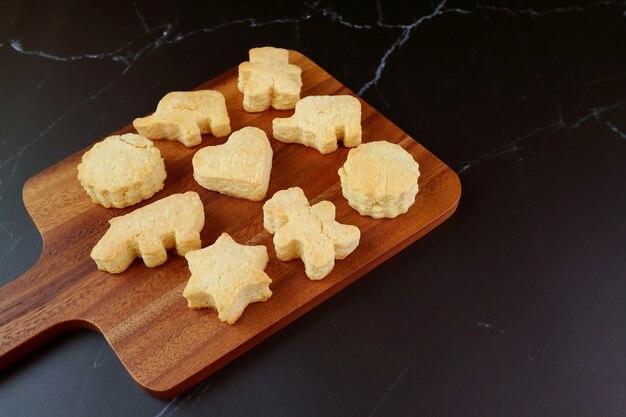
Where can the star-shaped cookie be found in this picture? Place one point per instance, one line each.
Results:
(227, 276)
(308, 232)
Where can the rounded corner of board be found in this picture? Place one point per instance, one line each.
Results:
(168, 394)
(296, 54)
(27, 189)
(458, 188)
(164, 392)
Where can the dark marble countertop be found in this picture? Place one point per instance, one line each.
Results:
(515, 306)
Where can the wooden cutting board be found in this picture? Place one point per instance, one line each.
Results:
(165, 346)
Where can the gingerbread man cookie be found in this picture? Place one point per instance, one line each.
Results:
(308, 232)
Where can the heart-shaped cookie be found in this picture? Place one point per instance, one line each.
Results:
(239, 168)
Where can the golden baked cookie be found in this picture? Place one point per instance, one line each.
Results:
(122, 170)
(149, 231)
(227, 276)
(268, 79)
(379, 179)
(320, 121)
(308, 232)
(239, 168)
(185, 116)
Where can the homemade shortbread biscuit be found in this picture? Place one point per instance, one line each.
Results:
(239, 168)
(227, 276)
(319, 121)
(269, 79)
(185, 116)
(172, 222)
(122, 170)
(379, 179)
(308, 232)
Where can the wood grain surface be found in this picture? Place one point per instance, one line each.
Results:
(165, 346)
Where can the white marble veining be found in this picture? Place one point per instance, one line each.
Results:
(192, 397)
(142, 20)
(557, 127)
(16, 45)
(391, 387)
(401, 40)
(615, 129)
(406, 30)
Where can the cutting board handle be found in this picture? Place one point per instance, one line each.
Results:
(31, 312)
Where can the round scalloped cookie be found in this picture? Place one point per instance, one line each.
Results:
(379, 179)
(122, 170)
